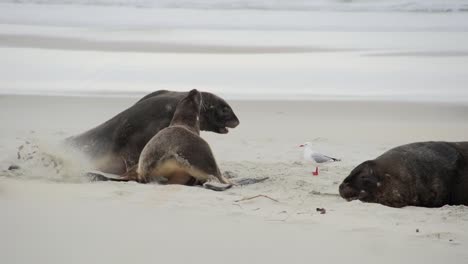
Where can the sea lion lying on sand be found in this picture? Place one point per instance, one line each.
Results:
(428, 174)
(177, 154)
(115, 145)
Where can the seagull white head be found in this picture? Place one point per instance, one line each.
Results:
(306, 144)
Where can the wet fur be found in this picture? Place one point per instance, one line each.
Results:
(428, 174)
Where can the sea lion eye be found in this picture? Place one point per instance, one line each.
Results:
(367, 181)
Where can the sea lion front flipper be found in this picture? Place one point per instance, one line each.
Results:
(216, 186)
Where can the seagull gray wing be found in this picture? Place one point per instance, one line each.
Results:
(334, 159)
(319, 158)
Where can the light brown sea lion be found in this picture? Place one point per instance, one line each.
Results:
(177, 154)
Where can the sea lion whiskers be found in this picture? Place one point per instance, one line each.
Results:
(362, 194)
(203, 105)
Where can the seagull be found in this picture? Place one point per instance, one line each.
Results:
(315, 157)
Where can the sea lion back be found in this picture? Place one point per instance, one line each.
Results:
(177, 148)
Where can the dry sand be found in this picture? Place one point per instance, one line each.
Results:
(59, 217)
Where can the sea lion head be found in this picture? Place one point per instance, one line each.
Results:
(216, 114)
(188, 111)
(193, 99)
(363, 183)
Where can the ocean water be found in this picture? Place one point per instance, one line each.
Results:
(388, 50)
(302, 5)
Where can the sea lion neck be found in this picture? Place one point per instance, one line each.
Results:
(187, 113)
(188, 119)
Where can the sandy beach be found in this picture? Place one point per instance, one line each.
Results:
(354, 78)
(61, 216)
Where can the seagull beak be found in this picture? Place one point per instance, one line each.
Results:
(301, 146)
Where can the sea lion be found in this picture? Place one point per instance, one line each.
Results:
(427, 174)
(115, 145)
(177, 154)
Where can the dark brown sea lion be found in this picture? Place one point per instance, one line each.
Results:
(177, 154)
(427, 174)
(115, 145)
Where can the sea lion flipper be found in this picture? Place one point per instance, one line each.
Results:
(96, 175)
(216, 186)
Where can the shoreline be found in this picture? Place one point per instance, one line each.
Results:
(280, 98)
(82, 44)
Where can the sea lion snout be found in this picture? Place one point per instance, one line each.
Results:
(362, 183)
(228, 119)
(232, 123)
(347, 192)
(229, 124)
(217, 115)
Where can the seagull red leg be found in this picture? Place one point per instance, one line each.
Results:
(316, 172)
